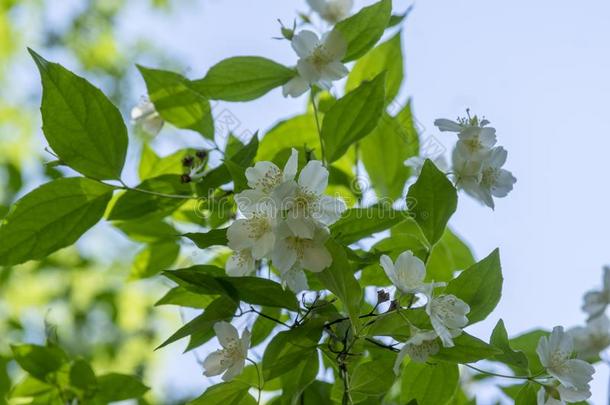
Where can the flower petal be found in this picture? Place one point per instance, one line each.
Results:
(314, 177)
(227, 334)
(305, 42)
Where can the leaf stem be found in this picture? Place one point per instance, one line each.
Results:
(141, 190)
(516, 377)
(315, 114)
(260, 380)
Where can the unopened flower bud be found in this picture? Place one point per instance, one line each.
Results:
(185, 178)
(202, 154)
(382, 296)
(188, 161)
(394, 305)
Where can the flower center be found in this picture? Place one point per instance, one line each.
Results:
(271, 179)
(489, 177)
(232, 353)
(320, 57)
(299, 245)
(258, 226)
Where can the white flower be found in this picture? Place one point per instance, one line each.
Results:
(305, 253)
(319, 61)
(475, 142)
(446, 125)
(332, 11)
(419, 347)
(307, 206)
(448, 316)
(263, 179)
(597, 301)
(591, 339)
(416, 163)
(555, 353)
(240, 263)
(493, 181)
(255, 232)
(145, 114)
(560, 395)
(407, 274)
(232, 357)
(295, 279)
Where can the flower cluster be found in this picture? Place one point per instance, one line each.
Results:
(570, 376)
(284, 220)
(477, 162)
(447, 312)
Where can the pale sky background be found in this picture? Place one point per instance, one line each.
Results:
(539, 71)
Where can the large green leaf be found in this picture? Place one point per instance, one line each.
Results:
(226, 393)
(206, 239)
(296, 131)
(177, 103)
(263, 326)
(353, 117)
(467, 349)
(359, 223)
(432, 200)
(339, 279)
(429, 383)
(182, 297)
(303, 373)
(135, 204)
(51, 217)
(154, 258)
(362, 30)
(480, 286)
(448, 255)
(499, 338)
(385, 57)
(242, 78)
(290, 347)
(81, 125)
(39, 361)
(115, 387)
(384, 151)
(527, 343)
(371, 378)
(253, 290)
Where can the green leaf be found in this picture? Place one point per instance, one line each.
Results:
(81, 125)
(339, 279)
(385, 57)
(238, 174)
(261, 291)
(289, 348)
(362, 30)
(184, 298)
(152, 165)
(359, 223)
(372, 378)
(206, 239)
(263, 327)
(39, 361)
(136, 204)
(429, 383)
(432, 200)
(467, 349)
(297, 131)
(527, 394)
(82, 376)
(499, 338)
(119, 387)
(30, 387)
(448, 255)
(200, 329)
(353, 117)
(51, 217)
(177, 103)
(384, 151)
(527, 343)
(303, 373)
(242, 78)
(480, 286)
(253, 290)
(147, 231)
(154, 258)
(226, 393)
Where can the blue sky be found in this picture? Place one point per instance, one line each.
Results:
(539, 71)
